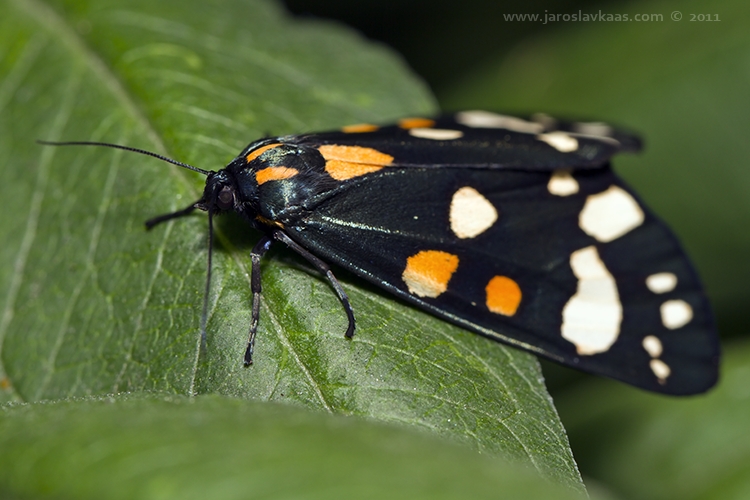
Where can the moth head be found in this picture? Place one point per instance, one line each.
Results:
(220, 193)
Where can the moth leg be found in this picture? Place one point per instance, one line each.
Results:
(256, 253)
(172, 215)
(322, 268)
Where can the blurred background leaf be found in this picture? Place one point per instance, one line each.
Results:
(213, 447)
(649, 447)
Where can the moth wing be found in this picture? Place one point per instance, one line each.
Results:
(570, 276)
(505, 143)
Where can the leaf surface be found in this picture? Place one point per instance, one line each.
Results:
(92, 304)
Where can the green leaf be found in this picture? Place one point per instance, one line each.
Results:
(92, 304)
(213, 447)
(650, 447)
(683, 86)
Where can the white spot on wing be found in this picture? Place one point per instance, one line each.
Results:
(661, 282)
(592, 316)
(660, 369)
(545, 120)
(675, 313)
(561, 141)
(653, 346)
(486, 119)
(471, 213)
(436, 134)
(562, 183)
(610, 214)
(599, 129)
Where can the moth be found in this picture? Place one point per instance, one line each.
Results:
(515, 228)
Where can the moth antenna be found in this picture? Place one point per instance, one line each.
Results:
(125, 148)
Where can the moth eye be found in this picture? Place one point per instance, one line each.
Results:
(225, 198)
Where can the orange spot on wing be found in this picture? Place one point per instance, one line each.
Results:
(503, 295)
(359, 128)
(346, 162)
(257, 152)
(274, 174)
(428, 272)
(5, 383)
(408, 123)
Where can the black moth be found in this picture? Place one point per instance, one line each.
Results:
(514, 228)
